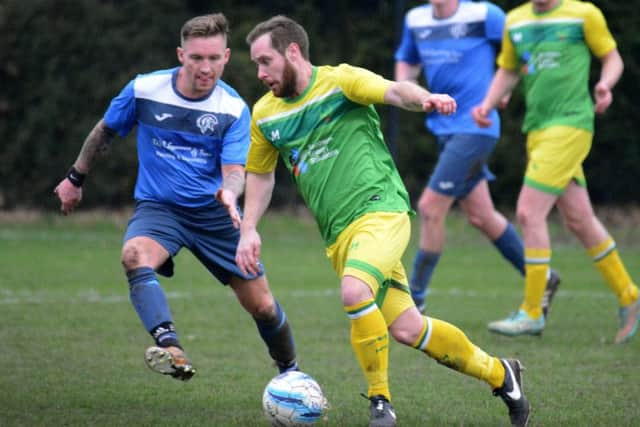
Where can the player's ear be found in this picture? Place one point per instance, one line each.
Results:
(180, 54)
(292, 51)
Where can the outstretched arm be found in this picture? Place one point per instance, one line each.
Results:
(258, 191)
(502, 85)
(97, 143)
(612, 67)
(409, 96)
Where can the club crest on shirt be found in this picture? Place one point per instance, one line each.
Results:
(459, 30)
(207, 123)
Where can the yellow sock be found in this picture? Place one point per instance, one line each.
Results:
(370, 342)
(449, 346)
(536, 270)
(607, 260)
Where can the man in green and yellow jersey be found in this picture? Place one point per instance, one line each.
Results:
(549, 43)
(321, 121)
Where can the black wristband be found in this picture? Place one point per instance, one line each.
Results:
(76, 177)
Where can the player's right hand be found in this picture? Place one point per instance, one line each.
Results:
(481, 116)
(440, 102)
(69, 196)
(248, 252)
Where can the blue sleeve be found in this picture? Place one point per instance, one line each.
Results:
(494, 25)
(121, 114)
(235, 144)
(407, 51)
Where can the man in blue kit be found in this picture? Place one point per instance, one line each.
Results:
(455, 43)
(192, 141)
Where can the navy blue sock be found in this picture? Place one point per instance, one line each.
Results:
(149, 301)
(276, 333)
(423, 266)
(510, 246)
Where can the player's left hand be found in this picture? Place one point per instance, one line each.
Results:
(229, 200)
(603, 97)
(442, 103)
(480, 115)
(248, 251)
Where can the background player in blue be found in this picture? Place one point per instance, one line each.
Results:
(193, 138)
(455, 43)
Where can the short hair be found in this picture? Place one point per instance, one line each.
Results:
(205, 26)
(284, 31)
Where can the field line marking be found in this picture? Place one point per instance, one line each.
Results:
(10, 297)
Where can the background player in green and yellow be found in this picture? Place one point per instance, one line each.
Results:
(322, 122)
(548, 44)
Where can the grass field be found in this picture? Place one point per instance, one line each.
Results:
(71, 346)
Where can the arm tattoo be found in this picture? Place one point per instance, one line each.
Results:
(96, 144)
(234, 181)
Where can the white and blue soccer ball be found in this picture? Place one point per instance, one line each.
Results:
(293, 399)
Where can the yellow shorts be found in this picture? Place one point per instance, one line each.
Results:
(555, 157)
(371, 249)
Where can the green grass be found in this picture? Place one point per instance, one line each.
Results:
(71, 346)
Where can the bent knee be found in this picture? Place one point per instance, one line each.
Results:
(263, 309)
(405, 336)
(354, 291)
(430, 213)
(408, 327)
(131, 257)
(255, 296)
(143, 252)
(434, 207)
(527, 218)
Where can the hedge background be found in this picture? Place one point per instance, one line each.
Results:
(61, 62)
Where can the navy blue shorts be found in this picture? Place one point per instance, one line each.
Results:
(207, 232)
(462, 164)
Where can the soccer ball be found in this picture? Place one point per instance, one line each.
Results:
(293, 399)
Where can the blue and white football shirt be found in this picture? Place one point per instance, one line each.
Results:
(182, 142)
(458, 56)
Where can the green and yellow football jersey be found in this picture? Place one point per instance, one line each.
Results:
(552, 52)
(330, 140)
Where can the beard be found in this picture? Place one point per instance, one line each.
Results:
(287, 87)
